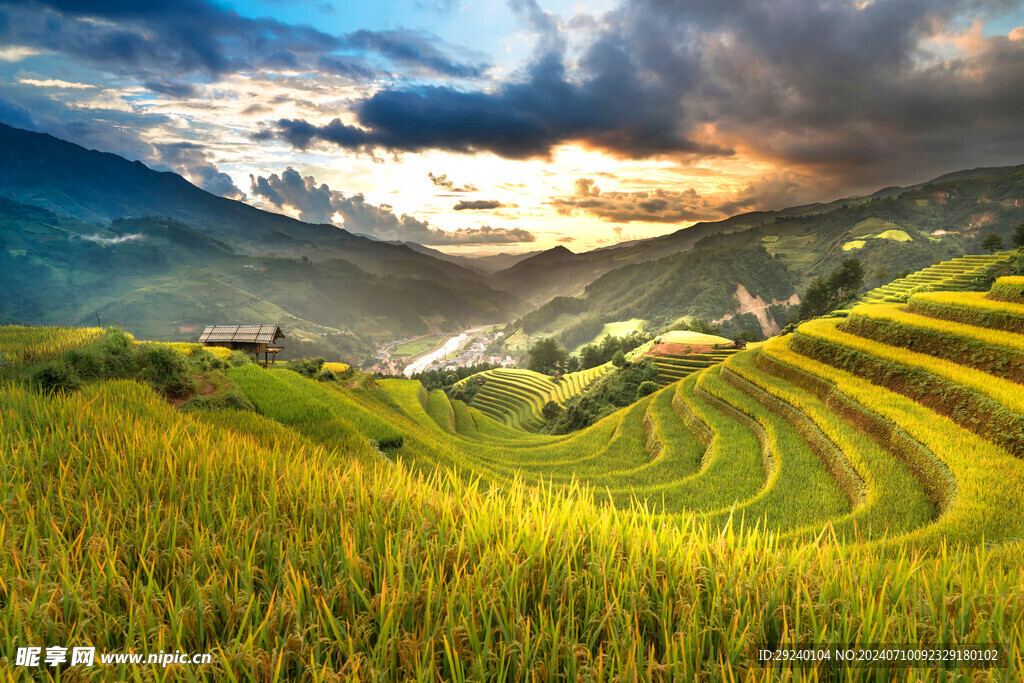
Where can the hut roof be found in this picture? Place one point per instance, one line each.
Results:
(250, 334)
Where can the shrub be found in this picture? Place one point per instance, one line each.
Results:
(646, 389)
(232, 399)
(307, 367)
(551, 410)
(56, 375)
(166, 369)
(238, 358)
(117, 353)
(87, 363)
(204, 361)
(326, 375)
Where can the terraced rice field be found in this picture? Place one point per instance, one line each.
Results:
(516, 397)
(674, 367)
(954, 275)
(858, 481)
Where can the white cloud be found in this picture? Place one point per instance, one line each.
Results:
(55, 83)
(16, 53)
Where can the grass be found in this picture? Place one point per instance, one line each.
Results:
(971, 308)
(616, 329)
(517, 397)
(287, 565)
(956, 274)
(1008, 289)
(820, 488)
(416, 347)
(27, 345)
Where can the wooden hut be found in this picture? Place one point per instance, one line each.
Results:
(251, 339)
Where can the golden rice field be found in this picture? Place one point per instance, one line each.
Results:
(516, 397)
(21, 345)
(855, 482)
(189, 348)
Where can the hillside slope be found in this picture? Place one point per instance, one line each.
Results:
(160, 278)
(97, 187)
(939, 219)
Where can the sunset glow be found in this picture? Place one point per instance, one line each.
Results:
(555, 123)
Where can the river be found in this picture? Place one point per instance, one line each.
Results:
(448, 348)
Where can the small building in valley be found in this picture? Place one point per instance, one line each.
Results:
(251, 339)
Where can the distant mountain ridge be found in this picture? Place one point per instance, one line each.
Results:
(890, 231)
(86, 233)
(40, 170)
(569, 274)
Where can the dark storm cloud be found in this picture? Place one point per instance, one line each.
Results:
(477, 205)
(182, 90)
(192, 161)
(319, 204)
(860, 93)
(658, 205)
(186, 37)
(183, 36)
(616, 105)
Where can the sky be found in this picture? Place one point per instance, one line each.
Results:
(485, 127)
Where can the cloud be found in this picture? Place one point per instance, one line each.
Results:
(135, 237)
(443, 182)
(477, 205)
(192, 161)
(180, 38)
(485, 234)
(658, 205)
(411, 49)
(55, 83)
(859, 94)
(612, 103)
(773, 192)
(16, 53)
(13, 114)
(179, 90)
(169, 36)
(320, 204)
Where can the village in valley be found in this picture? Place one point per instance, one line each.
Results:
(441, 352)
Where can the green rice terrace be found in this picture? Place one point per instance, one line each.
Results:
(516, 397)
(955, 275)
(858, 481)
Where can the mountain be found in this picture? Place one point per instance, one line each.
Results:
(98, 187)
(974, 190)
(496, 262)
(560, 272)
(86, 234)
(463, 261)
(890, 231)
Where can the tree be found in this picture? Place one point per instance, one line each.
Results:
(646, 388)
(817, 299)
(547, 356)
(1018, 235)
(450, 380)
(609, 345)
(881, 275)
(619, 359)
(551, 410)
(590, 356)
(573, 365)
(848, 279)
(992, 243)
